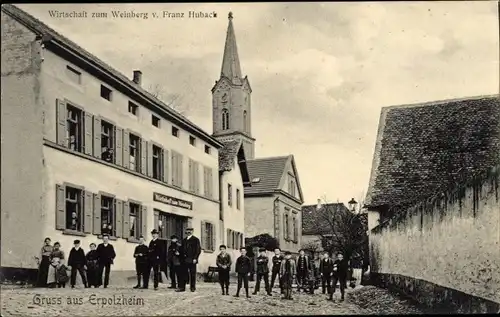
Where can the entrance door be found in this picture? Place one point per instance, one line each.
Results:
(170, 224)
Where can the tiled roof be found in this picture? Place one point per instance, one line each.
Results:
(427, 148)
(42, 29)
(269, 171)
(313, 220)
(227, 154)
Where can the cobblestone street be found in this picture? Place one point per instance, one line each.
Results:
(206, 301)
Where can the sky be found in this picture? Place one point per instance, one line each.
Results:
(320, 72)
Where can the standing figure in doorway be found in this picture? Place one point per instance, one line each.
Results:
(191, 247)
(224, 265)
(105, 258)
(141, 253)
(155, 257)
(262, 272)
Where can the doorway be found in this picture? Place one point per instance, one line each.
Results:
(170, 224)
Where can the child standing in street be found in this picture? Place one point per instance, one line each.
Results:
(243, 268)
(224, 264)
(288, 273)
(262, 272)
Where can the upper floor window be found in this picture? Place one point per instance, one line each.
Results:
(134, 152)
(238, 199)
(74, 129)
(74, 75)
(225, 119)
(157, 162)
(107, 141)
(192, 140)
(155, 121)
(175, 131)
(133, 108)
(106, 92)
(229, 194)
(207, 149)
(292, 188)
(245, 121)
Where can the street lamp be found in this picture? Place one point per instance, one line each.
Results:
(352, 204)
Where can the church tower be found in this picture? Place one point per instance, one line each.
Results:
(231, 102)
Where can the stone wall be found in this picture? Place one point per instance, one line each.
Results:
(445, 250)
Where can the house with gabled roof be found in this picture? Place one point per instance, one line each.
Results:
(272, 202)
(426, 148)
(233, 178)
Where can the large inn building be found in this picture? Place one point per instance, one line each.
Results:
(86, 150)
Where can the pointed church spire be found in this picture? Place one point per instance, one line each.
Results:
(231, 62)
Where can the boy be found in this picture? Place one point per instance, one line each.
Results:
(262, 271)
(224, 264)
(105, 258)
(277, 258)
(243, 268)
(141, 262)
(288, 272)
(156, 252)
(303, 269)
(174, 261)
(92, 266)
(61, 274)
(340, 269)
(77, 262)
(325, 270)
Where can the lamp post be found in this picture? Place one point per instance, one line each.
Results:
(352, 204)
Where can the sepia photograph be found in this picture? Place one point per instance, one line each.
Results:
(250, 159)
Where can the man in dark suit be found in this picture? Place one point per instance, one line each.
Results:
(155, 258)
(192, 250)
(105, 257)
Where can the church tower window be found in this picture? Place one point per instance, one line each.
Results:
(245, 121)
(225, 119)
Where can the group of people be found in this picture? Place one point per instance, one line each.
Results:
(53, 271)
(286, 270)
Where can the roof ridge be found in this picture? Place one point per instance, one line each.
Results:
(270, 158)
(441, 101)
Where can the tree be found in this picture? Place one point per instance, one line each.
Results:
(342, 230)
(263, 241)
(173, 101)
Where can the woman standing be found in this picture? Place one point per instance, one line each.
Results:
(44, 262)
(56, 258)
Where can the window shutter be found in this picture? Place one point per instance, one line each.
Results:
(203, 233)
(119, 146)
(144, 220)
(97, 138)
(88, 145)
(214, 237)
(235, 241)
(166, 165)
(144, 149)
(126, 220)
(97, 214)
(119, 218)
(190, 170)
(210, 183)
(228, 238)
(126, 153)
(60, 207)
(174, 168)
(181, 164)
(62, 113)
(87, 211)
(196, 178)
(156, 219)
(149, 146)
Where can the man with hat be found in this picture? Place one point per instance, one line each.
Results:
(77, 262)
(262, 271)
(174, 261)
(191, 248)
(155, 256)
(141, 253)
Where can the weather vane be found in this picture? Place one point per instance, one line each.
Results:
(230, 16)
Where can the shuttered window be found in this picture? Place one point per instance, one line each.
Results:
(74, 127)
(207, 182)
(73, 208)
(134, 220)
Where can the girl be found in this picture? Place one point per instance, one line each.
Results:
(56, 257)
(44, 262)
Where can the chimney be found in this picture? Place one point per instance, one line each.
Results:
(137, 77)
